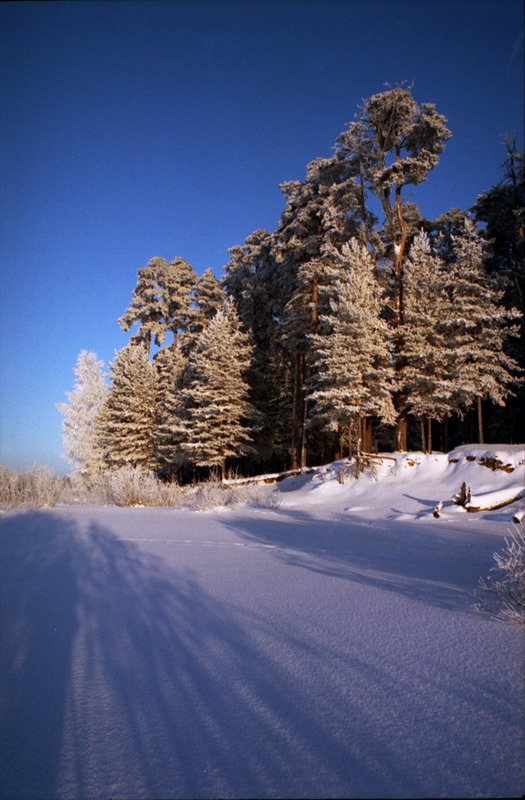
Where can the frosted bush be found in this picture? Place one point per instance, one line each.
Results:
(213, 494)
(36, 488)
(258, 495)
(210, 494)
(136, 486)
(8, 488)
(506, 582)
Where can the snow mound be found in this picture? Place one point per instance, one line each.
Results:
(411, 486)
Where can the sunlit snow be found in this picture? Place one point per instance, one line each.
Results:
(330, 647)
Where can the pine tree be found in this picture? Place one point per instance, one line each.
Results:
(478, 326)
(427, 375)
(351, 378)
(208, 298)
(178, 282)
(126, 422)
(81, 448)
(147, 308)
(161, 302)
(501, 210)
(170, 366)
(321, 213)
(216, 419)
(251, 280)
(398, 143)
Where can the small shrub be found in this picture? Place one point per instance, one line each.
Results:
(213, 494)
(136, 486)
(506, 583)
(262, 496)
(36, 488)
(210, 494)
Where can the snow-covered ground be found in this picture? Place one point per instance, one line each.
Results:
(328, 648)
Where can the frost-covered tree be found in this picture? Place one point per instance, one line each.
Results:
(400, 143)
(501, 212)
(216, 416)
(178, 281)
(427, 376)
(351, 375)
(251, 280)
(85, 402)
(170, 366)
(478, 325)
(161, 302)
(126, 422)
(147, 308)
(208, 298)
(321, 213)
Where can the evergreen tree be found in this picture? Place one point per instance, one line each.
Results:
(251, 281)
(147, 308)
(427, 375)
(170, 366)
(178, 282)
(208, 298)
(161, 302)
(352, 375)
(478, 327)
(216, 416)
(126, 422)
(399, 143)
(320, 214)
(85, 402)
(501, 211)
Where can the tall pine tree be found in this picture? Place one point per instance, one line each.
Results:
(215, 415)
(478, 327)
(127, 420)
(81, 412)
(351, 376)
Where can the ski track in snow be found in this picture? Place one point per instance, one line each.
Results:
(328, 649)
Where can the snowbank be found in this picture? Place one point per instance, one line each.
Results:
(412, 485)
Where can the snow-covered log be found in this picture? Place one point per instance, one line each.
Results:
(493, 500)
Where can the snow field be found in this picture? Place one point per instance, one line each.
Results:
(327, 649)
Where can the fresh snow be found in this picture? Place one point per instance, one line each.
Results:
(332, 647)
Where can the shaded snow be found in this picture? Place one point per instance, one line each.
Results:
(330, 648)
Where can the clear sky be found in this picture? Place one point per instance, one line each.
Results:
(139, 129)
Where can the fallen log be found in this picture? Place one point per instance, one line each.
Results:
(493, 500)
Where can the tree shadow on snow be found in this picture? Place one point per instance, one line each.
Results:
(402, 558)
(123, 678)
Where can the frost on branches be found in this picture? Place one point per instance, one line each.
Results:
(215, 412)
(79, 427)
(506, 582)
(351, 372)
(126, 422)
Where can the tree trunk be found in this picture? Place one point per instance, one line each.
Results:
(480, 422)
(298, 411)
(304, 434)
(367, 434)
(423, 437)
(402, 433)
(429, 437)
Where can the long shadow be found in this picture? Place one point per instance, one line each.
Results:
(123, 678)
(38, 620)
(402, 558)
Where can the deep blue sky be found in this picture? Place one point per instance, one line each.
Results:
(136, 129)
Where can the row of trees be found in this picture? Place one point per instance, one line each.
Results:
(340, 331)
